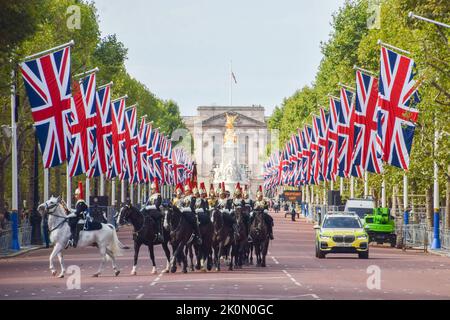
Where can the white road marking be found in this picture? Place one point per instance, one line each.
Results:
(140, 296)
(156, 279)
(219, 279)
(292, 278)
(275, 260)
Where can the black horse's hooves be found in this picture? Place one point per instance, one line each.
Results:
(184, 271)
(173, 270)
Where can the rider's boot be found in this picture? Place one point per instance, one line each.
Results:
(159, 236)
(198, 237)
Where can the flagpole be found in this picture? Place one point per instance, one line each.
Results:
(366, 184)
(68, 187)
(113, 192)
(390, 46)
(231, 83)
(88, 191)
(102, 184)
(139, 194)
(383, 192)
(131, 193)
(46, 178)
(122, 186)
(352, 187)
(341, 185)
(14, 183)
(71, 43)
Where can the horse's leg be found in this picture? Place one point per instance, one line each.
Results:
(184, 259)
(102, 263)
(137, 246)
(113, 262)
(175, 253)
(251, 253)
(56, 249)
(219, 255)
(152, 256)
(191, 256)
(61, 262)
(264, 252)
(167, 253)
(199, 256)
(232, 253)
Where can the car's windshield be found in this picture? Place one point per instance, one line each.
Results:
(361, 212)
(342, 222)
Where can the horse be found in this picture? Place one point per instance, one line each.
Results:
(180, 232)
(222, 237)
(105, 239)
(240, 244)
(203, 252)
(260, 236)
(144, 233)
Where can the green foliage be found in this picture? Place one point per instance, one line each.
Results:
(31, 26)
(352, 43)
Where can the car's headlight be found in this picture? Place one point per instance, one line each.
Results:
(325, 237)
(362, 237)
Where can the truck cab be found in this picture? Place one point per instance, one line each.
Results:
(360, 206)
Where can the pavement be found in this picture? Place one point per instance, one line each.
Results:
(292, 272)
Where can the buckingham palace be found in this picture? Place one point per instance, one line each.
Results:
(207, 129)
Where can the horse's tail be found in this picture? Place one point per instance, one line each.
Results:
(115, 245)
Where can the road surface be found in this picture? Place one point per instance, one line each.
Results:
(292, 272)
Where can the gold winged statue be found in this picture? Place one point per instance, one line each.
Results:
(229, 133)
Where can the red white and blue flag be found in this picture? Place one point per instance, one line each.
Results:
(118, 135)
(367, 152)
(345, 133)
(47, 83)
(130, 144)
(156, 158)
(103, 132)
(141, 159)
(83, 119)
(331, 158)
(397, 115)
(306, 154)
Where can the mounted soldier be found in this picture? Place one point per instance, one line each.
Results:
(187, 207)
(262, 205)
(80, 212)
(248, 207)
(212, 199)
(178, 198)
(153, 208)
(225, 205)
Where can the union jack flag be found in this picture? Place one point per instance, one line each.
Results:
(150, 172)
(83, 126)
(331, 157)
(345, 133)
(156, 146)
(118, 135)
(141, 160)
(397, 115)
(47, 82)
(306, 154)
(314, 174)
(130, 144)
(103, 144)
(366, 152)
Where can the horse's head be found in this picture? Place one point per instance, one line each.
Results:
(125, 213)
(49, 206)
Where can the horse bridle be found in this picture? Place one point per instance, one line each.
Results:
(51, 213)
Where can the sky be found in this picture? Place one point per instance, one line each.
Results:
(183, 49)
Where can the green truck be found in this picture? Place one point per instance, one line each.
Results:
(380, 226)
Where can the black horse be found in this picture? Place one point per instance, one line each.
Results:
(259, 232)
(203, 252)
(180, 232)
(240, 245)
(222, 237)
(144, 233)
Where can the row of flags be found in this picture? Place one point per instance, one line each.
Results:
(362, 129)
(94, 134)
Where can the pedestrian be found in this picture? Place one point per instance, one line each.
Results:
(2, 222)
(6, 212)
(293, 213)
(45, 232)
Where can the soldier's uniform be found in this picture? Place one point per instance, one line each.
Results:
(80, 212)
(248, 208)
(178, 199)
(187, 207)
(153, 208)
(262, 205)
(225, 205)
